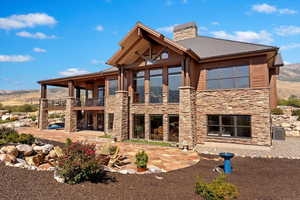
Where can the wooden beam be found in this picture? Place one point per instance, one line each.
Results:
(71, 88)
(129, 49)
(43, 91)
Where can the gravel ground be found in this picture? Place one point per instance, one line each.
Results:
(256, 178)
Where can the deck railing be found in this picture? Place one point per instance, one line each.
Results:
(89, 102)
(56, 103)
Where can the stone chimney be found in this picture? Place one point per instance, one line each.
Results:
(185, 31)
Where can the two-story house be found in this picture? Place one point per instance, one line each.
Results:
(190, 89)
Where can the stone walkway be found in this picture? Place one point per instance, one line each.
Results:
(165, 158)
(290, 148)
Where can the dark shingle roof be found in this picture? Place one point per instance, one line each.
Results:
(111, 69)
(208, 47)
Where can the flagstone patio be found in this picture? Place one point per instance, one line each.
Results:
(166, 158)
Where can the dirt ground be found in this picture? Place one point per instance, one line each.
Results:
(257, 179)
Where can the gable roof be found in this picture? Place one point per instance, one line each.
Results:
(209, 47)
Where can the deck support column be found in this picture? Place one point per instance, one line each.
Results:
(187, 117)
(43, 114)
(71, 116)
(121, 123)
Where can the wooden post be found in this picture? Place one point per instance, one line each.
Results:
(183, 71)
(71, 88)
(43, 91)
(122, 79)
(187, 71)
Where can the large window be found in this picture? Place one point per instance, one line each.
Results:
(113, 85)
(228, 77)
(138, 87)
(229, 125)
(174, 128)
(110, 121)
(139, 126)
(156, 82)
(174, 81)
(156, 127)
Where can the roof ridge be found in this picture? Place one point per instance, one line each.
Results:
(232, 41)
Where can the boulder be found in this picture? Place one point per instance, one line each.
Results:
(12, 150)
(45, 149)
(58, 151)
(45, 166)
(58, 178)
(8, 158)
(25, 149)
(35, 160)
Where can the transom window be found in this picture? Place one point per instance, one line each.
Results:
(156, 81)
(228, 77)
(174, 82)
(229, 125)
(113, 85)
(138, 87)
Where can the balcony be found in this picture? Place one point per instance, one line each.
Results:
(95, 103)
(56, 104)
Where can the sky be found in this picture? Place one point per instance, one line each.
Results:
(55, 38)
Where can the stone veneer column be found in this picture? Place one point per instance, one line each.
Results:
(70, 117)
(43, 114)
(121, 116)
(165, 127)
(147, 127)
(187, 116)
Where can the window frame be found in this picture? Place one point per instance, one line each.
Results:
(174, 73)
(135, 85)
(235, 126)
(110, 121)
(169, 126)
(109, 87)
(233, 78)
(150, 127)
(134, 126)
(162, 82)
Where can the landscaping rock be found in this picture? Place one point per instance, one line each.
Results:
(25, 149)
(8, 158)
(154, 169)
(58, 151)
(35, 160)
(45, 166)
(58, 178)
(45, 149)
(12, 150)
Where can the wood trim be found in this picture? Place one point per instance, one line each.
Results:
(89, 108)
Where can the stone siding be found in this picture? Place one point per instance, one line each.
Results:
(121, 116)
(43, 114)
(70, 116)
(185, 34)
(111, 106)
(254, 102)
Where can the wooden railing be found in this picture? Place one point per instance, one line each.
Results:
(89, 102)
(56, 103)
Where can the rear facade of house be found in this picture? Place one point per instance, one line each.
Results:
(189, 90)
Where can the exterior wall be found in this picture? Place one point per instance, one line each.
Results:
(254, 102)
(43, 114)
(190, 32)
(273, 94)
(121, 116)
(70, 116)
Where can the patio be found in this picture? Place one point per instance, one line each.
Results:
(165, 158)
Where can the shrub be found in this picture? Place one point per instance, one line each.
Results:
(277, 111)
(80, 163)
(10, 135)
(291, 101)
(68, 142)
(218, 189)
(141, 159)
(22, 108)
(33, 118)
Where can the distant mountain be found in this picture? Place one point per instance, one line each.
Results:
(290, 72)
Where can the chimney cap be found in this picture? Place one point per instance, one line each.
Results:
(185, 26)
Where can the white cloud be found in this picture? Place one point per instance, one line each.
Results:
(286, 62)
(246, 36)
(15, 58)
(166, 29)
(287, 30)
(290, 46)
(215, 23)
(28, 20)
(266, 8)
(97, 62)
(184, 1)
(169, 3)
(73, 72)
(39, 50)
(37, 35)
(100, 28)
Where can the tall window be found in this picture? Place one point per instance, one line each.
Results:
(228, 77)
(138, 86)
(139, 126)
(101, 95)
(113, 85)
(174, 128)
(156, 82)
(174, 81)
(229, 125)
(110, 121)
(156, 127)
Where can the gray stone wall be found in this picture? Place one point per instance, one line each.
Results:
(254, 102)
(70, 116)
(43, 114)
(121, 116)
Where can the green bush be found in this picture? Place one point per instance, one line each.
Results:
(141, 159)
(21, 108)
(10, 135)
(80, 163)
(218, 189)
(277, 111)
(33, 118)
(291, 101)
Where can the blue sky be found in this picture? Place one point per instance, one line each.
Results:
(54, 38)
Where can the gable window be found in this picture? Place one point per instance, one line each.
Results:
(156, 82)
(138, 87)
(174, 82)
(229, 125)
(164, 55)
(228, 77)
(113, 85)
